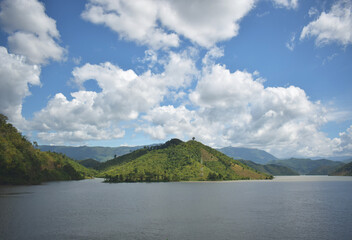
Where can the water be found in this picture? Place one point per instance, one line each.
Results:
(303, 207)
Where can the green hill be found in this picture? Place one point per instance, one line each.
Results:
(90, 163)
(345, 170)
(21, 163)
(177, 161)
(307, 166)
(271, 169)
(252, 154)
(100, 154)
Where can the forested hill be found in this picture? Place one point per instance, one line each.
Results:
(273, 169)
(177, 161)
(345, 170)
(21, 163)
(308, 166)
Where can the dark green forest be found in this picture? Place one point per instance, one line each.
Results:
(22, 163)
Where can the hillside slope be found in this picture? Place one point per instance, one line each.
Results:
(252, 154)
(21, 163)
(177, 161)
(271, 169)
(345, 170)
(308, 166)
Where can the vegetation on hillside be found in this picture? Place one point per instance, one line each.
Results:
(177, 161)
(21, 163)
(345, 170)
(272, 169)
(308, 166)
(90, 163)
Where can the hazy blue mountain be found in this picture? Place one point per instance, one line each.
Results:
(252, 154)
(308, 166)
(271, 169)
(100, 154)
(345, 159)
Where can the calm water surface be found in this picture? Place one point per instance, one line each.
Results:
(303, 207)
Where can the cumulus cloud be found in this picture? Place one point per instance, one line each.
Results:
(233, 108)
(333, 26)
(286, 3)
(133, 20)
(160, 24)
(343, 144)
(31, 32)
(15, 78)
(124, 96)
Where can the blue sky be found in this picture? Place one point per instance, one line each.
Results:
(269, 74)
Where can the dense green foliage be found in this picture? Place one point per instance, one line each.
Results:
(308, 166)
(100, 154)
(345, 170)
(254, 155)
(21, 163)
(90, 163)
(271, 169)
(177, 161)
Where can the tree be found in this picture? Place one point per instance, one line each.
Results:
(193, 138)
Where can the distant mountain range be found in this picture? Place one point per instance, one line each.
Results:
(272, 169)
(308, 166)
(257, 159)
(252, 154)
(100, 154)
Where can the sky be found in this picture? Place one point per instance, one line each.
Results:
(267, 74)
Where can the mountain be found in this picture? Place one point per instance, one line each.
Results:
(90, 163)
(177, 161)
(100, 154)
(271, 169)
(345, 170)
(252, 154)
(309, 167)
(21, 163)
(336, 158)
(347, 160)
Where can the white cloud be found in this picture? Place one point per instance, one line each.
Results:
(343, 144)
(150, 22)
(235, 109)
(286, 3)
(124, 96)
(133, 20)
(205, 22)
(291, 43)
(334, 26)
(15, 78)
(313, 11)
(31, 32)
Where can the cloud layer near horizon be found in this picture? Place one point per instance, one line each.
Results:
(189, 94)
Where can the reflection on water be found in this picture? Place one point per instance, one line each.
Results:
(299, 207)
